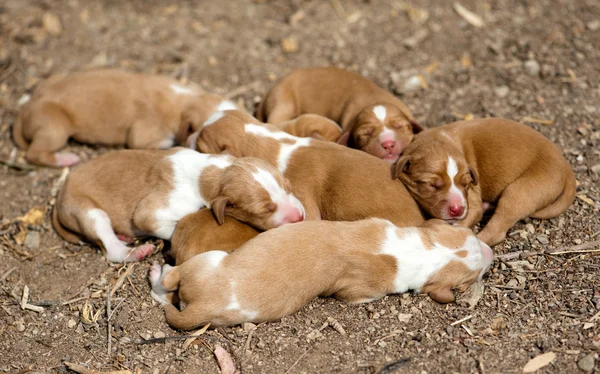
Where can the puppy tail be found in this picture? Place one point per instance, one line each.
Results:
(187, 319)
(63, 231)
(260, 110)
(561, 204)
(17, 132)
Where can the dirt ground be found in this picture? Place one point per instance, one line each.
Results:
(532, 61)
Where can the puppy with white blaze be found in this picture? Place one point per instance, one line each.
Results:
(281, 270)
(132, 193)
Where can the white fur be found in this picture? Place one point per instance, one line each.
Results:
(259, 130)
(158, 293)
(387, 135)
(116, 251)
(452, 171)
(380, 112)
(214, 258)
(167, 142)
(416, 264)
(182, 90)
(24, 99)
(185, 197)
(286, 151)
(277, 194)
(226, 105)
(213, 118)
(234, 304)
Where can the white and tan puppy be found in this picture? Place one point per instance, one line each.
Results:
(453, 171)
(110, 107)
(373, 119)
(281, 270)
(145, 193)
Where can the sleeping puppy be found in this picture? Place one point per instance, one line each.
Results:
(372, 119)
(454, 171)
(110, 107)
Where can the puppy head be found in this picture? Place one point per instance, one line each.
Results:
(460, 259)
(253, 191)
(198, 110)
(383, 131)
(313, 126)
(438, 177)
(222, 133)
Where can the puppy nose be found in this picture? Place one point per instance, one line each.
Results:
(294, 217)
(456, 210)
(388, 145)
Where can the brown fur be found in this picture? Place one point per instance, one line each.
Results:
(199, 232)
(281, 270)
(500, 162)
(312, 126)
(332, 182)
(111, 107)
(344, 97)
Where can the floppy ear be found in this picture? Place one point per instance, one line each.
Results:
(316, 135)
(442, 295)
(474, 176)
(415, 126)
(218, 208)
(343, 139)
(401, 166)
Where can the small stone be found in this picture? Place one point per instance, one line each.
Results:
(52, 24)
(587, 363)
(577, 241)
(382, 344)
(20, 326)
(371, 308)
(124, 340)
(512, 283)
(532, 67)
(289, 45)
(595, 169)
(501, 91)
(412, 84)
(404, 317)
(594, 25)
(71, 323)
(530, 228)
(32, 240)
(159, 335)
(543, 239)
(582, 130)
(472, 296)
(248, 326)
(145, 335)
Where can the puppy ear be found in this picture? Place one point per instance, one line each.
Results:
(474, 176)
(442, 295)
(218, 208)
(316, 135)
(344, 138)
(415, 126)
(402, 165)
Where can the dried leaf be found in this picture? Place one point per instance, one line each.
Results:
(51, 24)
(225, 361)
(539, 362)
(34, 217)
(289, 45)
(586, 200)
(472, 18)
(197, 333)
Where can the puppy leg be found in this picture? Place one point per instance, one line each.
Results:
(45, 143)
(159, 293)
(97, 226)
(475, 206)
(148, 134)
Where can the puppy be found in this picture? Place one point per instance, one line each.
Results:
(199, 232)
(454, 170)
(109, 107)
(375, 120)
(145, 193)
(281, 270)
(333, 182)
(312, 126)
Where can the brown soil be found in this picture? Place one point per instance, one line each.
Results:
(544, 303)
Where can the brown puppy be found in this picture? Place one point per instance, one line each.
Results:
(312, 126)
(376, 121)
(199, 232)
(453, 170)
(333, 182)
(283, 269)
(145, 193)
(109, 107)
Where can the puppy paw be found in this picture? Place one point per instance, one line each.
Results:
(139, 253)
(154, 274)
(66, 159)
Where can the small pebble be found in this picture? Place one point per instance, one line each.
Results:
(159, 335)
(502, 91)
(594, 25)
(71, 323)
(595, 169)
(532, 67)
(587, 363)
(20, 326)
(32, 240)
(412, 84)
(289, 45)
(543, 239)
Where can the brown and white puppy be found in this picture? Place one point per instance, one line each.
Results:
(145, 193)
(110, 107)
(376, 121)
(455, 170)
(333, 182)
(281, 270)
(199, 232)
(312, 126)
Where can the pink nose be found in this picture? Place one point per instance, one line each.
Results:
(456, 210)
(293, 217)
(388, 145)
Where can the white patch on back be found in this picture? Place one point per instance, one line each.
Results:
(286, 151)
(226, 105)
(185, 197)
(452, 170)
(380, 112)
(24, 99)
(259, 130)
(234, 304)
(213, 118)
(214, 258)
(182, 90)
